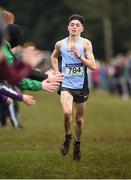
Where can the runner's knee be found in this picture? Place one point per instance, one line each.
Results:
(67, 115)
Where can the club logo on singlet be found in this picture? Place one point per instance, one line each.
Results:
(70, 54)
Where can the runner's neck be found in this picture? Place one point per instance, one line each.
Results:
(73, 39)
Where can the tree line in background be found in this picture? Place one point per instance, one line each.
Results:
(44, 22)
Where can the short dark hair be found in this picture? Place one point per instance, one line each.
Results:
(15, 34)
(77, 17)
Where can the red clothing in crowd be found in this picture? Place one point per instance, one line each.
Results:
(15, 72)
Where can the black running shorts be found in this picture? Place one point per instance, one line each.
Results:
(79, 95)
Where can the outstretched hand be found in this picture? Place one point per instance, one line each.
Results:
(49, 86)
(28, 100)
(54, 76)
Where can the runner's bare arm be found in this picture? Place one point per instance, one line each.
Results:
(55, 55)
(89, 61)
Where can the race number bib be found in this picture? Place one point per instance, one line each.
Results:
(74, 70)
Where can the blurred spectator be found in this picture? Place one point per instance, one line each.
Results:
(96, 76)
(115, 76)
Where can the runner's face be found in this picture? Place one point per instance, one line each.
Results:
(75, 27)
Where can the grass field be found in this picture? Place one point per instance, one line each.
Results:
(34, 151)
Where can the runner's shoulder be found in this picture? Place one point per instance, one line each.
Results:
(58, 44)
(86, 43)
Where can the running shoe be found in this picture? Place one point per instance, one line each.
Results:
(76, 151)
(65, 146)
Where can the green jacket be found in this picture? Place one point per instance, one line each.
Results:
(6, 49)
(25, 84)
